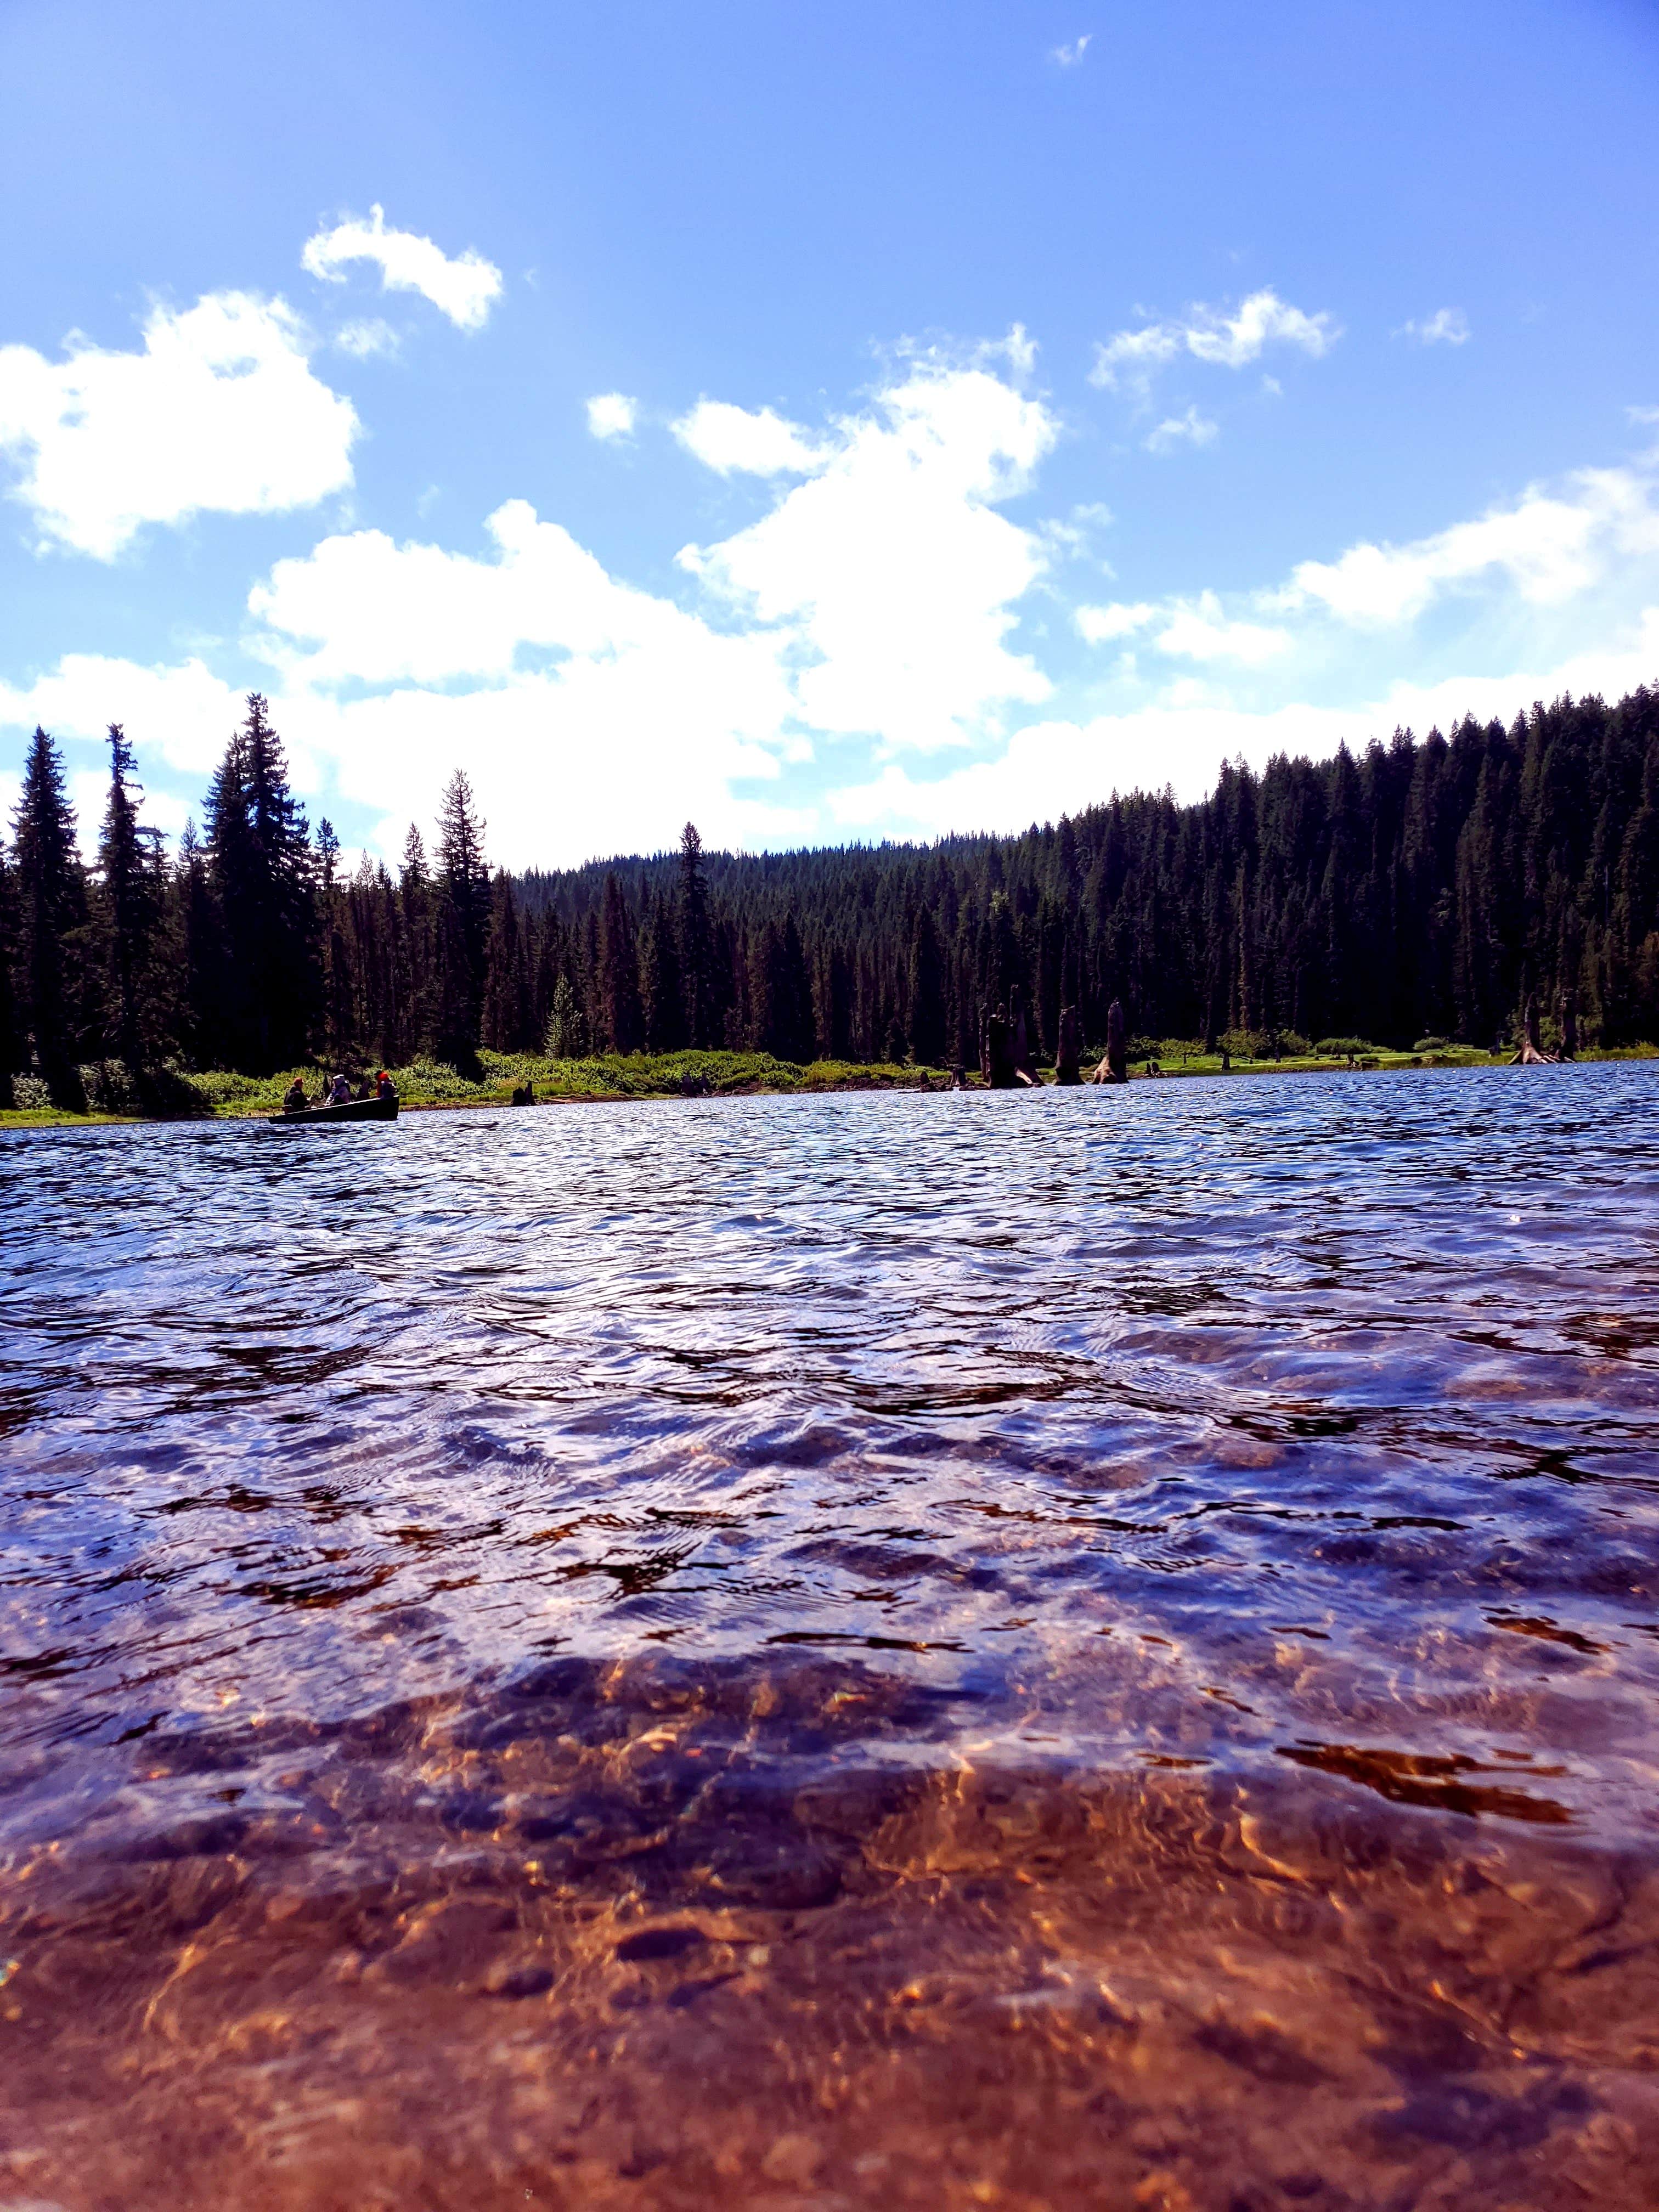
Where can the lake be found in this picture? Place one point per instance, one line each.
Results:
(1088, 1649)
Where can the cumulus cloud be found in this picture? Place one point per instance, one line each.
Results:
(464, 289)
(875, 599)
(1191, 429)
(1069, 57)
(220, 412)
(612, 415)
(1130, 359)
(893, 568)
(1446, 326)
(755, 442)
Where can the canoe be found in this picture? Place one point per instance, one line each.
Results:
(353, 1109)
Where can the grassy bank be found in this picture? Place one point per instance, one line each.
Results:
(608, 1076)
(430, 1083)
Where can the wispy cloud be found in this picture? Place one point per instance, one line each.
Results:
(1130, 358)
(1191, 429)
(464, 289)
(1445, 326)
(365, 338)
(1069, 57)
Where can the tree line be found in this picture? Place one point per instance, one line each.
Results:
(1421, 887)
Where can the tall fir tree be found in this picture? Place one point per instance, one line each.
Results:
(139, 993)
(464, 902)
(261, 863)
(52, 915)
(699, 998)
(11, 1042)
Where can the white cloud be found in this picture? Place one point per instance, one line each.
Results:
(1130, 358)
(464, 289)
(1099, 625)
(1642, 415)
(1547, 549)
(1191, 429)
(612, 415)
(893, 568)
(1198, 631)
(1069, 57)
(757, 443)
(1446, 326)
(219, 413)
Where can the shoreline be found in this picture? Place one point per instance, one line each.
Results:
(651, 1083)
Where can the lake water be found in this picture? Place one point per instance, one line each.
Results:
(1087, 1649)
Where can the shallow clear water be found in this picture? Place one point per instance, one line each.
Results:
(1097, 1648)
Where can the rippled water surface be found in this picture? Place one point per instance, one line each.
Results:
(1096, 1649)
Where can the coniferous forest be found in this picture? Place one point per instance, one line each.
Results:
(1422, 887)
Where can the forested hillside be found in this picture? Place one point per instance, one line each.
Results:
(1422, 887)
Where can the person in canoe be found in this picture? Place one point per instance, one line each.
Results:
(293, 1099)
(338, 1092)
(384, 1086)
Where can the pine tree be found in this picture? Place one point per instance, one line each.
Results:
(418, 971)
(139, 995)
(51, 911)
(260, 861)
(11, 1042)
(698, 995)
(464, 903)
(567, 1025)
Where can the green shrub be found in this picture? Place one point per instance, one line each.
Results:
(1341, 1048)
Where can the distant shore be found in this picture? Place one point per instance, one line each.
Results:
(430, 1086)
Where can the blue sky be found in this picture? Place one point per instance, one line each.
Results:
(827, 422)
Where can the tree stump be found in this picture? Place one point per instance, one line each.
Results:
(1532, 1054)
(1068, 1050)
(996, 1053)
(1114, 1068)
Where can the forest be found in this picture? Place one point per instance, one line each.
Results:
(1418, 888)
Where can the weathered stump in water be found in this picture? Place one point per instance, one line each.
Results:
(996, 1057)
(1114, 1068)
(1532, 1054)
(1068, 1048)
